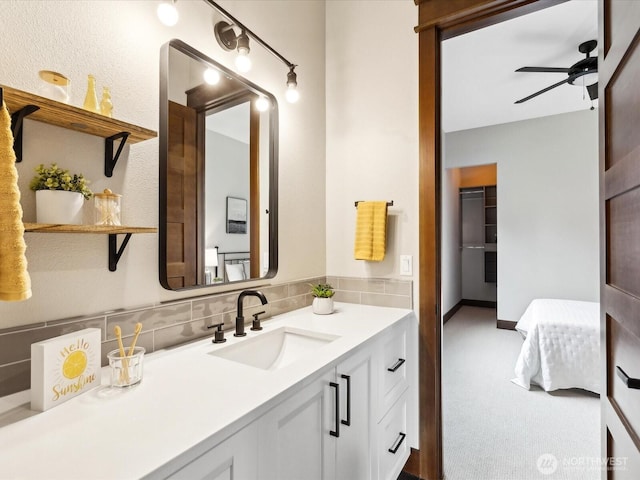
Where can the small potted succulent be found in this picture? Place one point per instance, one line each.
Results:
(323, 301)
(59, 195)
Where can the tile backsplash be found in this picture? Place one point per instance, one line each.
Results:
(175, 323)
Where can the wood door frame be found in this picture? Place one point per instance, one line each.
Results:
(437, 21)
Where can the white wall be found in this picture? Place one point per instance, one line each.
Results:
(451, 259)
(227, 175)
(119, 42)
(372, 129)
(547, 205)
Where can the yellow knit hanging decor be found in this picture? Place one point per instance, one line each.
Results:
(15, 284)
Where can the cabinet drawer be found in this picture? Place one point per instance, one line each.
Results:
(393, 369)
(623, 349)
(393, 442)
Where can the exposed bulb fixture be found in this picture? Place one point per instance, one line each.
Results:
(262, 104)
(168, 13)
(292, 95)
(211, 76)
(243, 62)
(230, 41)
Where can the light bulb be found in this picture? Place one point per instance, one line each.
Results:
(211, 76)
(262, 104)
(292, 95)
(168, 14)
(243, 63)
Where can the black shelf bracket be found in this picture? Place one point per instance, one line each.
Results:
(16, 128)
(114, 252)
(110, 159)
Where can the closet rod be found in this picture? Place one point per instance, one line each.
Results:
(389, 204)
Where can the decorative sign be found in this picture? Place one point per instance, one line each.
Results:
(63, 367)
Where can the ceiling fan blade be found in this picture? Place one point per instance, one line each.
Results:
(593, 91)
(543, 70)
(544, 90)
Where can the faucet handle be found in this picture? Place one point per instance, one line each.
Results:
(256, 321)
(218, 336)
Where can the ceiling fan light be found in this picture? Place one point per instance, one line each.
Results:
(586, 79)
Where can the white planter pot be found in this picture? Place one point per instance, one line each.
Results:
(322, 306)
(59, 207)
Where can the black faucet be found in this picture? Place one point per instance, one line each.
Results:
(239, 318)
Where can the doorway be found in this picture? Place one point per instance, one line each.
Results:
(439, 20)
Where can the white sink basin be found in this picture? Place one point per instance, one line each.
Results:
(275, 349)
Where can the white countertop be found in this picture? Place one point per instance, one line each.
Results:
(186, 398)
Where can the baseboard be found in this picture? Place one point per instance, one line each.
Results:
(506, 324)
(411, 470)
(407, 476)
(479, 303)
(451, 312)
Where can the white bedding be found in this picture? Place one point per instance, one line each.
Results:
(561, 347)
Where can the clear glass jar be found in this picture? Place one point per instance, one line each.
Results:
(107, 208)
(54, 85)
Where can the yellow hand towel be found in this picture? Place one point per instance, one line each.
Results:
(371, 231)
(15, 284)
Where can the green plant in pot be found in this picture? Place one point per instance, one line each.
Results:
(60, 195)
(323, 298)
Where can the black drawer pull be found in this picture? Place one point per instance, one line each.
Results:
(397, 443)
(628, 381)
(336, 432)
(347, 422)
(397, 365)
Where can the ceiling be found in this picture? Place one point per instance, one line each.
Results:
(479, 82)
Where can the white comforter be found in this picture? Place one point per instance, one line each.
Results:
(561, 347)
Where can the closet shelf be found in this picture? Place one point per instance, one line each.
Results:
(24, 104)
(114, 252)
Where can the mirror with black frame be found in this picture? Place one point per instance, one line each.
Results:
(218, 173)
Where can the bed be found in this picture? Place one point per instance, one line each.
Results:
(561, 346)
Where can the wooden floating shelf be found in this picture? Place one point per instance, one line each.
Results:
(114, 252)
(73, 118)
(95, 229)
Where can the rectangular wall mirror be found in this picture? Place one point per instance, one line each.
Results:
(218, 173)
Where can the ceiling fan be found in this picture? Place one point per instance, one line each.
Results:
(583, 73)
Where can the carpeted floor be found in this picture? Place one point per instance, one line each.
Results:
(495, 430)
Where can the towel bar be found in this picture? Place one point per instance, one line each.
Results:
(389, 204)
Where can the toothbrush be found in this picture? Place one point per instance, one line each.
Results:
(124, 374)
(137, 331)
(118, 331)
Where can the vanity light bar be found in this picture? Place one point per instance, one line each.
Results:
(225, 36)
(250, 34)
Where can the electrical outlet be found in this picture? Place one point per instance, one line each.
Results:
(406, 265)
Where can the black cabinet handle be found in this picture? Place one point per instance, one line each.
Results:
(336, 432)
(397, 443)
(628, 381)
(397, 365)
(347, 422)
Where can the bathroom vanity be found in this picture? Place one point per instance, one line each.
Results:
(314, 397)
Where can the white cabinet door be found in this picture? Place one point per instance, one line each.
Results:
(233, 459)
(393, 445)
(355, 444)
(295, 440)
